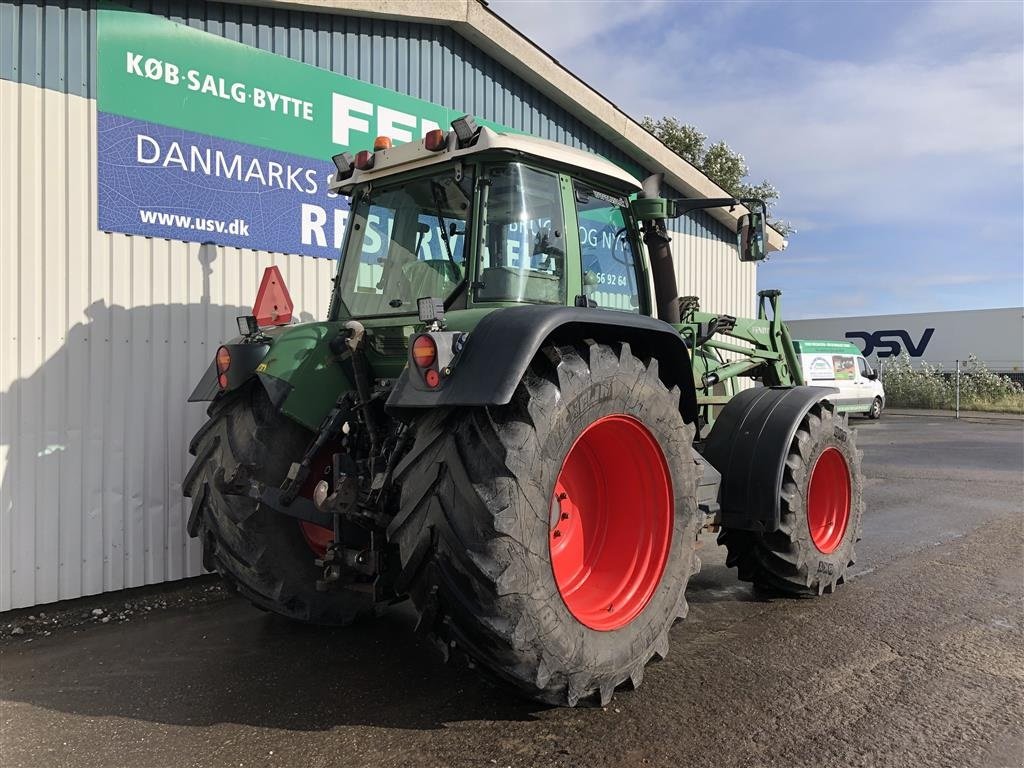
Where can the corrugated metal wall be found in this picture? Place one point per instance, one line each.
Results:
(102, 336)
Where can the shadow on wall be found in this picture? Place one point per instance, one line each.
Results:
(97, 445)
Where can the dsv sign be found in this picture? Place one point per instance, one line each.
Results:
(888, 343)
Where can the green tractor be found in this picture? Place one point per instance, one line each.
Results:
(482, 425)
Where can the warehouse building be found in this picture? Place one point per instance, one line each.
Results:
(155, 157)
(994, 337)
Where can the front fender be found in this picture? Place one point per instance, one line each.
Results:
(748, 445)
(500, 348)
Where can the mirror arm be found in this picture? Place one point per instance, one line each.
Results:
(752, 202)
(685, 205)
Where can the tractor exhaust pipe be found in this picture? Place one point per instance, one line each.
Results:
(663, 270)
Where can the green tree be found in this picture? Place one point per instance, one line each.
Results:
(718, 161)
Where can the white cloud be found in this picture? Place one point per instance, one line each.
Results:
(559, 26)
(931, 122)
(887, 139)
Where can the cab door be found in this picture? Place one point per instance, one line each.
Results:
(610, 268)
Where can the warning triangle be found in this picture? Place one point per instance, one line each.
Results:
(273, 303)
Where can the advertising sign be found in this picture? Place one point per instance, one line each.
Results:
(844, 367)
(208, 140)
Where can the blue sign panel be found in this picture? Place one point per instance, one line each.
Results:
(167, 182)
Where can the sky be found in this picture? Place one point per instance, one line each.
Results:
(894, 131)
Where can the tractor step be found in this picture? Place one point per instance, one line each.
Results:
(707, 489)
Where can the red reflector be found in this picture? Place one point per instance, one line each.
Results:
(273, 303)
(432, 377)
(381, 142)
(223, 359)
(364, 160)
(424, 351)
(434, 140)
(222, 381)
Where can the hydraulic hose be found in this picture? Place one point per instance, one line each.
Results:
(356, 332)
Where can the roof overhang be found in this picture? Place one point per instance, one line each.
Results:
(476, 23)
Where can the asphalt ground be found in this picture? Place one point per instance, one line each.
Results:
(917, 661)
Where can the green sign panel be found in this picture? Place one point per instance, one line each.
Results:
(167, 73)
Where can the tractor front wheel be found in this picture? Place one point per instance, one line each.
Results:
(821, 505)
(550, 540)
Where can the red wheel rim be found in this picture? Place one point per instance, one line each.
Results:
(828, 500)
(317, 537)
(611, 523)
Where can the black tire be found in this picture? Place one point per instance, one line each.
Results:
(473, 526)
(787, 560)
(260, 553)
(876, 409)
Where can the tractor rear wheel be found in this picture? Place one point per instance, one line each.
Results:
(549, 541)
(822, 504)
(265, 556)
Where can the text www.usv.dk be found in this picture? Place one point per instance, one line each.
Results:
(233, 227)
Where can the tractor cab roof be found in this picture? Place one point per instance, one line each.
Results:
(416, 155)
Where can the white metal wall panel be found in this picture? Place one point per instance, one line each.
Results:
(710, 269)
(103, 337)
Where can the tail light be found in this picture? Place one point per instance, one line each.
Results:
(364, 160)
(223, 364)
(435, 140)
(381, 142)
(424, 351)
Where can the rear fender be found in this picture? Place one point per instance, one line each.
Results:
(500, 348)
(296, 366)
(245, 357)
(748, 445)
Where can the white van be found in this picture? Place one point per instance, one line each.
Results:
(840, 364)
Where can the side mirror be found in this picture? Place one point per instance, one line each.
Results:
(872, 374)
(752, 236)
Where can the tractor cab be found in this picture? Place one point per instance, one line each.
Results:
(483, 220)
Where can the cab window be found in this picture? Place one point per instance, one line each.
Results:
(523, 255)
(606, 248)
(863, 367)
(408, 241)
